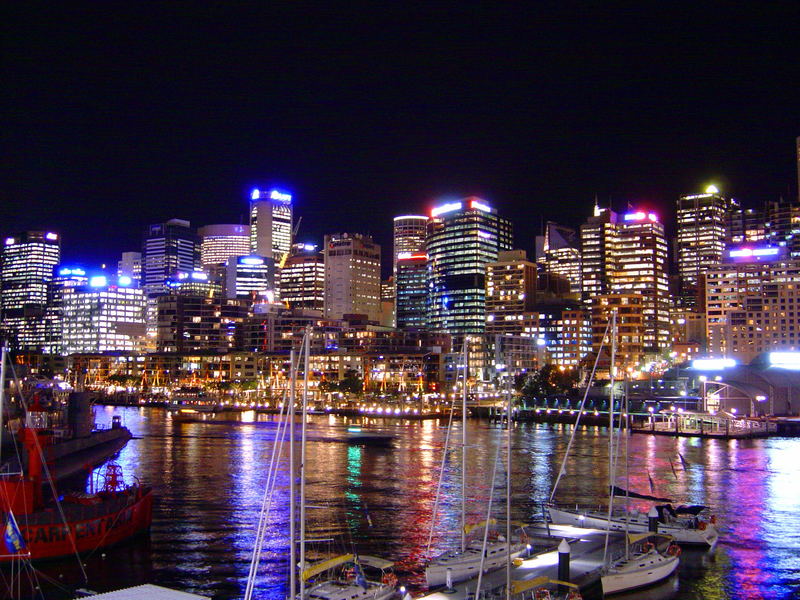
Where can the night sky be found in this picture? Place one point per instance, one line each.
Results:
(116, 115)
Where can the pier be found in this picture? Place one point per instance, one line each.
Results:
(586, 561)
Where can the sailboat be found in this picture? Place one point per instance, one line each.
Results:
(480, 555)
(644, 562)
(36, 529)
(344, 577)
(688, 525)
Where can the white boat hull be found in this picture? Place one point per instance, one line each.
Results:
(335, 589)
(466, 565)
(683, 535)
(638, 572)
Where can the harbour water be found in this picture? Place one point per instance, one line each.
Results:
(209, 480)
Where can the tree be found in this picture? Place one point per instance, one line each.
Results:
(351, 383)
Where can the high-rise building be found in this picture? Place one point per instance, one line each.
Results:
(700, 238)
(558, 251)
(640, 266)
(302, 278)
(64, 278)
(752, 303)
(26, 267)
(130, 265)
(352, 276)
(167, 248)
(631, 328)
(462, 237)
(745, 226)
(411, 298)
(100, 317)
(409, 237)
(510, 292)
(597, 252)
(271, 224)
(199, 323)
(218, 243)
(250, 277)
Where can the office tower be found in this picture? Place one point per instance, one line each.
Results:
(167, 248)
(195, 282)
(462, 237)
(103, 317)
(700, 238)
(302, 278)
(409, 237)
(352, 276)
(250, 278)
(26, 267)
(411, 298)
(271, 224)
(558, 251)
(640, 266)
(64, 278)
(745, 226)
(197, 323)
(510, 293)
(130, 265)
(798, 168)
(597, 252)
(388, 316)
(752, 303)
(218, 243)
(631, 329)
(783, 225)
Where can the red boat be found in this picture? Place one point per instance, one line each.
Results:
(36, 530)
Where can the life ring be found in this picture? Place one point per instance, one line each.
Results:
(702, 526)
(647, 546)
(574, 595)
(389, 579)
(542, 594)
(674, 550)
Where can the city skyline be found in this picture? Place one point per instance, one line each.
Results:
(364, 119)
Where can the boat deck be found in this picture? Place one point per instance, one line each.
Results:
(586, 561)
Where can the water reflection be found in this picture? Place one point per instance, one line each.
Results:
(209, 481)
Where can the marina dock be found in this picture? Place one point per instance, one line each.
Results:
(586, 561)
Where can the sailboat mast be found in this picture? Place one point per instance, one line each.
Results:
(292, 483)
(611, 462)
(464, 451)
(627, 466)
(508, 477)
(307, 342)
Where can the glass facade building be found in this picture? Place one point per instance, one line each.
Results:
(462, 237)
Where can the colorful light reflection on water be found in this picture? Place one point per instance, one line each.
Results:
(209, 480)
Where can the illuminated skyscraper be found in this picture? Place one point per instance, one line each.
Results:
(352, 276)
(462, 237)
(640, 266)
(271, 224)
(411, 300)
(560, 254)
(28, 260)
(100, 317)
(130, 265)
(218, 243)
(302, 278)
(701, 236)
(510, 293)
(167, 248)
(597, 252)
(64, 278)
(409, 237)
(250, 277)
